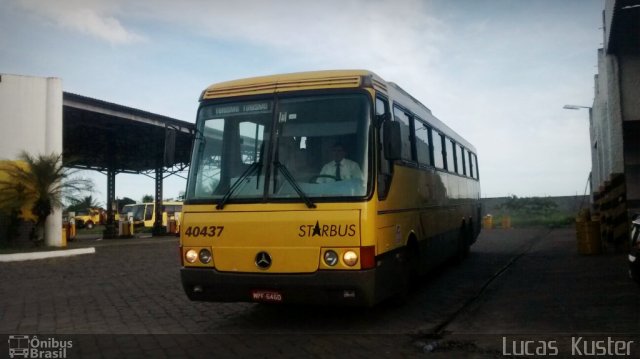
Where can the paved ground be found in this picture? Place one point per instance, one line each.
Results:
(128, 302)
(553, 296)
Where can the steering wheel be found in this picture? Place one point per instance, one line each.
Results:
(313, 179)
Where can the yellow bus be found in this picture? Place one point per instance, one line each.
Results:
(89, 218)
(144, 214)
(268, 217)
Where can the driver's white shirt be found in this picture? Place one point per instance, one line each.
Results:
(348, 170)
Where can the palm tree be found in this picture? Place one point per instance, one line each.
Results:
(87, 202)
(39, 181)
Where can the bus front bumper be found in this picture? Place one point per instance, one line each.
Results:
(356, 288)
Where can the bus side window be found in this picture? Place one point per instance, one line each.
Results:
(475, 164)
(148, 213)
(438, 158)
(467, 163)
(459, 160)
(465, 166)
(421, 135)
(405, 128)
(449, 152)
(381, 106)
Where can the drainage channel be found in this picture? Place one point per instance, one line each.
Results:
(430, 342)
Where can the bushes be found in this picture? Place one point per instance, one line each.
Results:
(35, 186)
(533, 211)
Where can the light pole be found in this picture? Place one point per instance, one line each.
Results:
(575, 107)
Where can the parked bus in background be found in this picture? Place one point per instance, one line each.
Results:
(322, 187)
(144, 215)
(89, 217)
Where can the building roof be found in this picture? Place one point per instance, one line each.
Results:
(622, 26)
(101, 135)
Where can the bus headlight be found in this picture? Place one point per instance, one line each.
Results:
(331, 258)
(205, 255)
(191, 256)
(350, 258)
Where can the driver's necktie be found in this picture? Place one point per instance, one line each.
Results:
(338, 177)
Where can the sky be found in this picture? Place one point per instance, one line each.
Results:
(498, 72)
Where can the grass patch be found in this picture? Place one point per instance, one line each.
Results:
(551, 220)
(532, 212)
(97, 229)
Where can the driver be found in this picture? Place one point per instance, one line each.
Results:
(340, 168)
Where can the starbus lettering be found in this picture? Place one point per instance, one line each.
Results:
(327, 230)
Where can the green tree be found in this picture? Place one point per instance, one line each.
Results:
(529, 205)
(147, 198)
(41, 181)
(123, 202)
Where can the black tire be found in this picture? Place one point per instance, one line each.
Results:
(464, 243)
(89, 225)
(411, 266)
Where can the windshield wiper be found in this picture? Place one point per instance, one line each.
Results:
(287, 175)
(248, 172)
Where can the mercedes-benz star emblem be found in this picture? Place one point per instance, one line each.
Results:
(263, 260)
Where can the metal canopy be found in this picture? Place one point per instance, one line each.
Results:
(104, 136)
(622, 26)
(107, 137)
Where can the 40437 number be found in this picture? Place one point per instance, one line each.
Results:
(204, 231)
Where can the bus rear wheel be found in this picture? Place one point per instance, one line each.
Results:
(464, 242)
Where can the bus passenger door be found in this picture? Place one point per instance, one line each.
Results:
(384, 173)
(149, 217)
(388, 228)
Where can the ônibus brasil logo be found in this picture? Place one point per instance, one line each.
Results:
(25, 346)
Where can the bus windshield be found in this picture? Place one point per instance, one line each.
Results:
(290, 148)
(135, 211)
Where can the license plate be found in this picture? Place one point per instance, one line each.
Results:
(266, 296)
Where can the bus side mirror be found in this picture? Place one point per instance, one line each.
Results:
(392, 140)
(383, 118)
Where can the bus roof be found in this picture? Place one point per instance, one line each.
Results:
(328, 79)
(294, 82)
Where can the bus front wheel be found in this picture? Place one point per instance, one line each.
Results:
(409, 272)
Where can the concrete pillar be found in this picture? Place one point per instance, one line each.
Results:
(53, 144)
